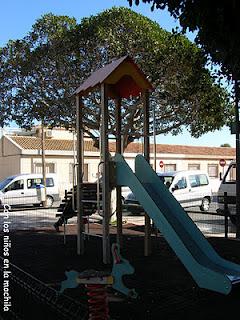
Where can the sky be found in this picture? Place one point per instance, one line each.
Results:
(18, 16)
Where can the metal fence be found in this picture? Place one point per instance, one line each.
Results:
(28, 217)
(210, 223)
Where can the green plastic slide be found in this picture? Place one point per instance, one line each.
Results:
(207, 268)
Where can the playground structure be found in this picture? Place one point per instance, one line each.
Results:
(96, 283)
(120, 79)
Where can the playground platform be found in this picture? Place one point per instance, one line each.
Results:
(165, 289)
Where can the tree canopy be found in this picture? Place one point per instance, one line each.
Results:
(35, 72)
(227, 145)
(216, 23)
(40, 72)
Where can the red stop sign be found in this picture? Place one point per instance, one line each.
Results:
(161, 164)
(222, 162)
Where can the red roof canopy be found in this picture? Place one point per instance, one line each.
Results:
(123, 76)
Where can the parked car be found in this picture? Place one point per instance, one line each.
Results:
(190, 188)
(25, 189)
(228, 185)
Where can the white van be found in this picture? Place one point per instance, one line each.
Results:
(190, 188)
(228, 185)
(22, 189)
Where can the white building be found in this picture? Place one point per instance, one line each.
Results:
(22, 154)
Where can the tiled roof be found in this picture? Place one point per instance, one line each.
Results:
(196, 150)
(187, 150)
(33, 143)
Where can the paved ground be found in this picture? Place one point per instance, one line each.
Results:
(165, 289)
(33, 218)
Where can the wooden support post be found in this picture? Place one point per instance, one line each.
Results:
(118, 188)
(80, 225)
(105, 175)
(147, 237)
(154, 142)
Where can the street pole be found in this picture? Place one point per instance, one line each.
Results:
(237, 159)
(80, 225)
(147, 229)
(118, 188)
(43, 164)
(105, 176)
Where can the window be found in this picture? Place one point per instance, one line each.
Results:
(213, 170)
(71, 172)
(72, 168)
(203, 180)
(85, 172)
(37, 168)
(49, 182)
(194, 181)
(50, 167)
(33, 182)
(5, 182)
(16, 185)
(181, 183)
(193, 166)
(170, 167)
(167, 180)
(231, 175)
(197, 180)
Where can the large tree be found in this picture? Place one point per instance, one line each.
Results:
(35, 73)
(5, 91)
(216, 23)
(29, 70)
(47, 65)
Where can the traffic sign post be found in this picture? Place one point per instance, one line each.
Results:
(222, 162)
(161, 164)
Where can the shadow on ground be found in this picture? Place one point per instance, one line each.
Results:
(165, 289)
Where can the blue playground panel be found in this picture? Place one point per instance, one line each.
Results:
(208, 269)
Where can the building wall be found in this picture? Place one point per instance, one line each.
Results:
(9, 159)
(178, 161)
(63, 167)
(60, 134)
(9, 166)
(25, 165)
(7, 148)
(181, 162)
(59, 165)
(60, 162)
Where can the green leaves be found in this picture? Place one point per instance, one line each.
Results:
(41, 72)
(217, 25)
(35, 69)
